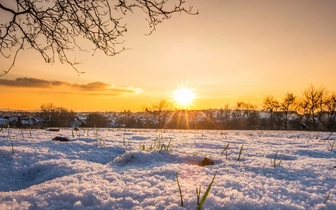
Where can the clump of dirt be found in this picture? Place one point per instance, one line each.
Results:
(206, 162)
(59, 138)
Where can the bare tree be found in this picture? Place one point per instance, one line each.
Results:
(288, 106)
(46, 113)
(52, 115)
(271, 105)
(312, 105)
(244, 116)
(252, 116)
(329, 117)
(224, 116)
(96, 119)
(158, 113)
(238, 114)
(54, 27)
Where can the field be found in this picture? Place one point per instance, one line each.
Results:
(137, 169)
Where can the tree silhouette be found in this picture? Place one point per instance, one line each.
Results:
(54, 27)
(313, 105)
(158, 113)
(96, 120)
(54, 116)
(271, 105)
(288, 106)
(329, 120)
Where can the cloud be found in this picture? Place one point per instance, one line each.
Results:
(91, 88)
(93, 93)
(103, 87)
(31, 83)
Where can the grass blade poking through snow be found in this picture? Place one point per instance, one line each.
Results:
(327, 198)
(179, 187)
(198, 194)
(328, 136)
(168, 147)
(274, 161)
(95, 131)
(12, 148)
(240, 152)
(8, 131)
(101, 142)
(226, 149)
(199, 207)
(331, 145)
(282, 157)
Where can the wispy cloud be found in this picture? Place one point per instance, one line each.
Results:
(102, 86)
(31, 83)
(91, 88)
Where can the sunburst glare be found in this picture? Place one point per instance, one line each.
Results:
(184, 97)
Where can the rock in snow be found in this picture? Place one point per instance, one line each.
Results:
(59, 138)
(206, 162)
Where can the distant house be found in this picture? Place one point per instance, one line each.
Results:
(24, 122)
(143, 121)
(28, 122)
(3, 121)
(77, 122)
(111, 123)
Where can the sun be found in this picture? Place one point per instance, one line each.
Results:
(184, 97)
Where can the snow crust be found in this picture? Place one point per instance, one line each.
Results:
(108, 169)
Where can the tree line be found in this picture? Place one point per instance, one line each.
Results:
(315, 109)
(54, 116)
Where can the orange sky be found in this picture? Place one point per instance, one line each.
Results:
(232, 51)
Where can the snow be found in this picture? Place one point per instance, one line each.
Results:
(108, 169)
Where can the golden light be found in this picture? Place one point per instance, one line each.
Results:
(184, 97)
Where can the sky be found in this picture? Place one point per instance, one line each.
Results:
(232, 51)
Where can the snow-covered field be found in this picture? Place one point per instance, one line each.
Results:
(109, 169)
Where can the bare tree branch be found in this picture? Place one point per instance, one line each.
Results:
(55, 27)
